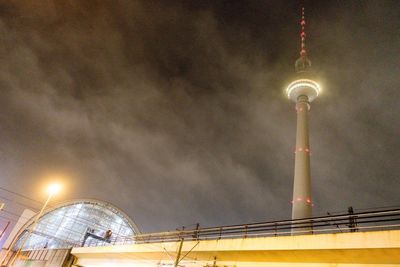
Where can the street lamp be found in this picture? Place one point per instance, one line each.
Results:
(52, 190)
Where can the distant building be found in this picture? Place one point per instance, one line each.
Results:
(26, 215)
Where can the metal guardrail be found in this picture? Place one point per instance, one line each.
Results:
(385, 219)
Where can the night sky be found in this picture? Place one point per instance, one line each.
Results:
(175, 111)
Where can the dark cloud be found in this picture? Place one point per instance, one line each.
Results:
(175, 112)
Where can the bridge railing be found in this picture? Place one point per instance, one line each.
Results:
(385, 219)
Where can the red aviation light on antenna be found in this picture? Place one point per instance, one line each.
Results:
(303, 34)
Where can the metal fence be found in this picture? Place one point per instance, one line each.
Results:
(384, 219)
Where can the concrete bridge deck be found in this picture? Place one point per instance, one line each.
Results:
(374, 248)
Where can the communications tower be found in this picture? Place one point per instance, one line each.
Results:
(303, 90)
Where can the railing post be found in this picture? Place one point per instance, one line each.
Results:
(196, 232)
(312, 226)
(276, 228)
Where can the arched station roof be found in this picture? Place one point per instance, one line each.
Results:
(66, 224)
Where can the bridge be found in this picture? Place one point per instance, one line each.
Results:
(369, 238)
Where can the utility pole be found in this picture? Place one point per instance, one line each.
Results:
(215, 262)
(178, 256)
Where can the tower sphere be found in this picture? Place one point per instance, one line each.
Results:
(303, 64)
(303, 87)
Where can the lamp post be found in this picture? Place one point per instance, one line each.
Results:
(52, 190)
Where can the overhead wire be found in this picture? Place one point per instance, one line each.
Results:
(20, 195)
(18, 203)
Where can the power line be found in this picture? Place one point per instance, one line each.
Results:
(17, 215)
(20, 195)
(18, 203)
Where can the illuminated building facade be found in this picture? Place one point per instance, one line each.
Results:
(66, 225)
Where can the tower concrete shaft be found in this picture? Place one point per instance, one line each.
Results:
(302, 202)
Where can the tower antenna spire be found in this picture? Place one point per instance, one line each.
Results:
(303, 64)
(303, 51)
